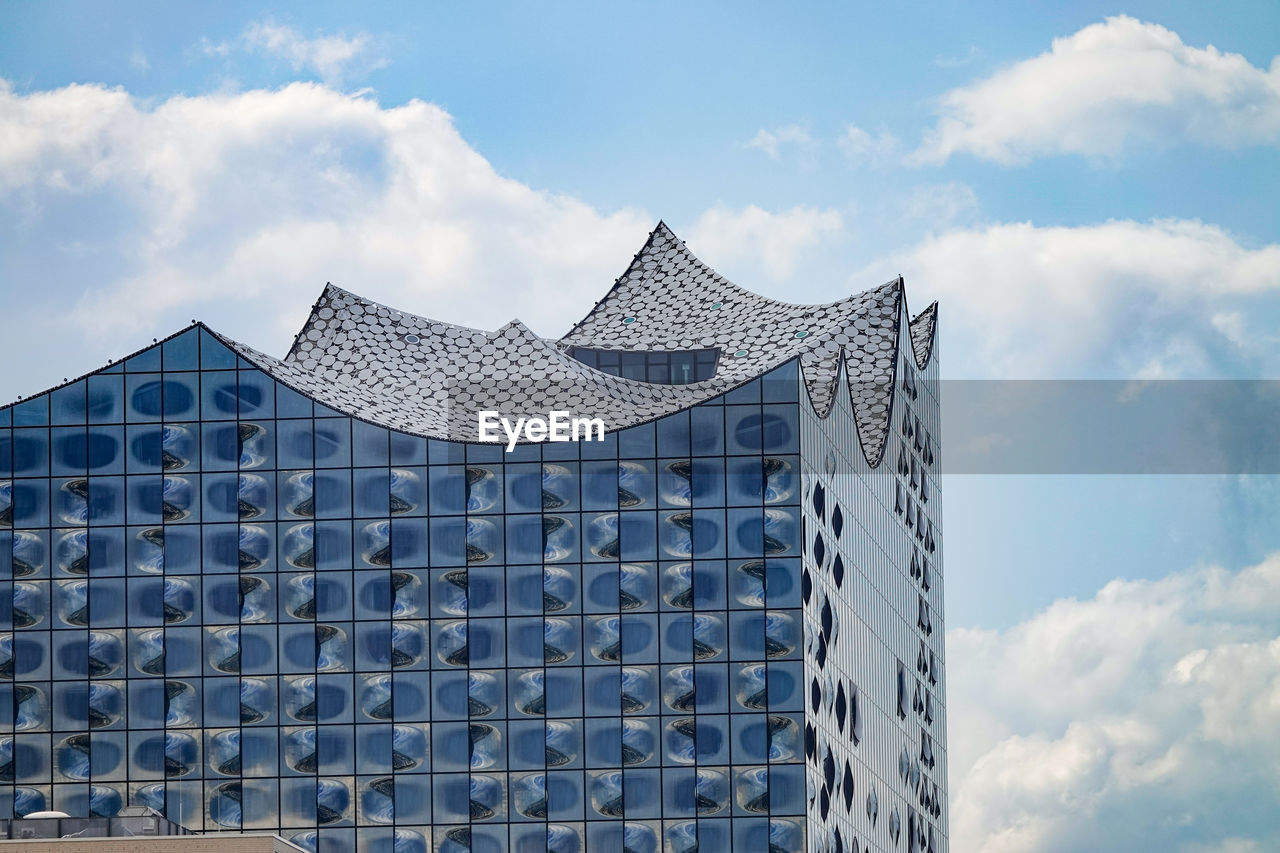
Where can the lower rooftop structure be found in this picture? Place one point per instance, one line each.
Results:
(300, 596)
(129, 822)
(134, 829)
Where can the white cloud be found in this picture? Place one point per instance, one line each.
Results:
(237, 207)
(866, 149)
(777, 142)
(1141, 719)
(938, 205)
(125, 217)
(958, 60)
(756, 238)
(329, 57)
(1096, 300)
(218, 49)
(1111, 86)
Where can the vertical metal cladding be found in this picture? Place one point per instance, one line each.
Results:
(875, 718)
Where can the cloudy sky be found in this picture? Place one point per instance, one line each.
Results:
(1089, 191)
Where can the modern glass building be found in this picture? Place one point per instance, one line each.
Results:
(299, 595)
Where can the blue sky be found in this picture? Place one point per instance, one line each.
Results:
(641, 104)
(1088, 189)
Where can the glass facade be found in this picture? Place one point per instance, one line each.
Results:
(249, 611)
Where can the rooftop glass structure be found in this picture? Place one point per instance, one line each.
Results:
(299, 595)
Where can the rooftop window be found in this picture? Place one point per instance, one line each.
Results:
(661, 367)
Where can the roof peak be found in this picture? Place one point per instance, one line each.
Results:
(427, 377)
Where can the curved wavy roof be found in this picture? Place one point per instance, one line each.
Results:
(430, 378)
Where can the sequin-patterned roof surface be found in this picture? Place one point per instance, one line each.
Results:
(430, 378)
